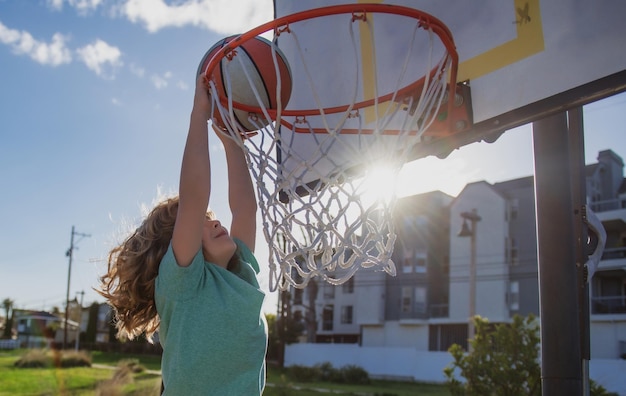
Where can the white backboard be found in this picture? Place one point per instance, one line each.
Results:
(522, 59)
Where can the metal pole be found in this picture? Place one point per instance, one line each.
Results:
(558, 293)
(579, 195)
(67, 294)
(70, 254)
(80, 319)
(473, 219)
(472, 285)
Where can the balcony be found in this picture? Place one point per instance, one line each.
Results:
(608, 305)
(614, 253)
(439, 310)
(608, 205)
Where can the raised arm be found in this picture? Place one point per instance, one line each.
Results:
(195, 181)
(241, 197)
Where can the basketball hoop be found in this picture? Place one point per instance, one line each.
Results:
(314, 220)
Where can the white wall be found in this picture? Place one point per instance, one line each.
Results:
(415, 365)
(403, 363)
(606, 335)
(367, 301)
(370, 296)
(491, 266)
(396, 334)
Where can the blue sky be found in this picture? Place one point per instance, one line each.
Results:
(96, 96)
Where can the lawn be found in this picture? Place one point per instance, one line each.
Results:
(84, 381)
(280, 385)
(79, 381)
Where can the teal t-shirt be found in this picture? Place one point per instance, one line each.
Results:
(213, 333)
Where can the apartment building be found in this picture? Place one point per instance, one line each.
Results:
(426, 305)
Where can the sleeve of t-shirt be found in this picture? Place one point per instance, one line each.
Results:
(245, 254)
(180, 282)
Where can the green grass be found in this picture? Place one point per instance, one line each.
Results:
(47, 381)
(84, 381)
(81, 381)
(282, 386)
(148, 361)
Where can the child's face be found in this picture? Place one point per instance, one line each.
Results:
(217, 246)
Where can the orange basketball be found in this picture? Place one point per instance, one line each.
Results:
(255, 58)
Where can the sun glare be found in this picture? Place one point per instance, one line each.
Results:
(379, 184)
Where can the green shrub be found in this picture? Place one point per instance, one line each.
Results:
(40, 358)
(303, 373)
(123, 375)
(349, 374)
(596, 389)
(75, 359)
(352, 374)
(34, 358)
(503, 360)
(132, 364)
(327, 372)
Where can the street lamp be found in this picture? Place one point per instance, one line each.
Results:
(470, 231)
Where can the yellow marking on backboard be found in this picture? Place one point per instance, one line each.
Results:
(529, 41)
(368, 66)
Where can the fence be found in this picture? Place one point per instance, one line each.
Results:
(9, 344)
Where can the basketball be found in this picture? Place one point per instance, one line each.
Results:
(255, 60)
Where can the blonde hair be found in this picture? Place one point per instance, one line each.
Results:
(133, 266)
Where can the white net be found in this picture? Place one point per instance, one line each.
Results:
(311, 166)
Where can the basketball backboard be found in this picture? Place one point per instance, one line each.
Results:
(522, 59)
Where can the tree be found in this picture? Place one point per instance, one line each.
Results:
(7, 304)
(291, 331)
(92, 324)
(504, 360)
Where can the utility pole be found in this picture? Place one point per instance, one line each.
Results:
(80, 318)
(470, 231)
(70, 253)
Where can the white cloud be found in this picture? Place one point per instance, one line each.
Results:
(82, 6)
(222, 16)
(101, 58)
(137, 70)
(55, 4)
(116, 101)
(182, 85)
(161, 82)
(53, 53)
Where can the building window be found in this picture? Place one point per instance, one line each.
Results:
(327, 318)
(297, 297)
(420, 300)
(329, 291)
(506, 248)
(405, 303)
(420, 262)
(514, 208)
(414, 261)
(346, 314)
(513, 259)
(348, 286)
(407, 265)
(514, 296)
(442, 337)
